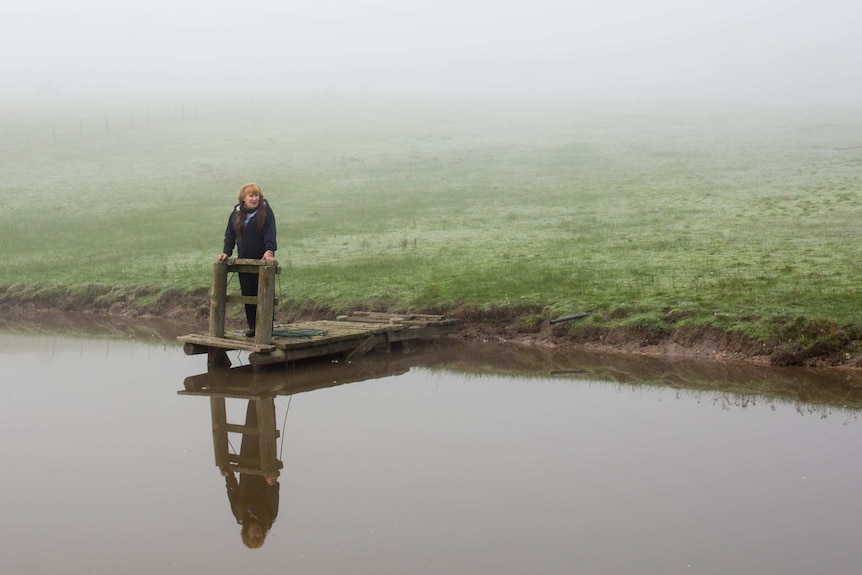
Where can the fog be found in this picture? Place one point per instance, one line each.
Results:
(758, 51)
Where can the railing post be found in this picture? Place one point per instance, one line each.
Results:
(218, 297)
(265, 302)
(220, 439)
(266, 434)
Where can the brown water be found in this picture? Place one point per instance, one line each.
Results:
(481, 460)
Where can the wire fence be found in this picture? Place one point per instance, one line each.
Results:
(30, 127)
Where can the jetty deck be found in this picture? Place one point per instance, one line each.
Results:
(354, 335)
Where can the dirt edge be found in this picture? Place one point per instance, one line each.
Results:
(523, 325)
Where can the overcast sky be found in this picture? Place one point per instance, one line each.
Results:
(783, 51)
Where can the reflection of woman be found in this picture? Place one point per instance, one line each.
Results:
(254, 498)
(254, 502)
(251, 228)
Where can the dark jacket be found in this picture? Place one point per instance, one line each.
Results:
(255, 239)
(252, 498)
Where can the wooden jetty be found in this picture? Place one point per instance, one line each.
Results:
(353, 334)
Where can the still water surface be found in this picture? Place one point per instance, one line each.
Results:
(430, 461)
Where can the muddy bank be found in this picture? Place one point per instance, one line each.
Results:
(514, 325)
(185, 311)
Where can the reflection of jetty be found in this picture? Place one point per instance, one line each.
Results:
(258, 389)
(355, 334)
(245, 382)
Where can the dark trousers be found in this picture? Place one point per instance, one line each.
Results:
(248, 287)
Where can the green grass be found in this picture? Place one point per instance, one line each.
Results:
(739, 219)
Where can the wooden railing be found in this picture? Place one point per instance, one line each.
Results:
(266, 271)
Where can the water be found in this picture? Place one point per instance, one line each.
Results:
(427, 462)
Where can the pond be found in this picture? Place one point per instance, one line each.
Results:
(123, 455)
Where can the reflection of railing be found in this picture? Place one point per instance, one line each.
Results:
(258, 453)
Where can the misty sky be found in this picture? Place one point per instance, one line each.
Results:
(783, 51)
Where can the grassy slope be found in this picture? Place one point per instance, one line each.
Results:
(738, 219)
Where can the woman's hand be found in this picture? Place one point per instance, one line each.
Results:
(268, 255)
(222, 257)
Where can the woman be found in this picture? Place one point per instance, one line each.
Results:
(251, 228)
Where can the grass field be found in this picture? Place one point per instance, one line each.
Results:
(742, 219)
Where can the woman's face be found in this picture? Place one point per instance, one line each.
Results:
(251, 200)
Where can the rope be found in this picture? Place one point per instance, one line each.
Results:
(280, 294)
(283, 427)
(298, 332)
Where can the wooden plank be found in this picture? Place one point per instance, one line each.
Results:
(366, 346)
(245, 264)
(243, 429)
(420, 332)
(235, 299)
(282, 355)
(376, 314)
(428, 317)
(224, 343)
(252, 471)
(339, 326)
(373, 318)
(318, 350)
(366, 325)
(391, 317)
(222, 393)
